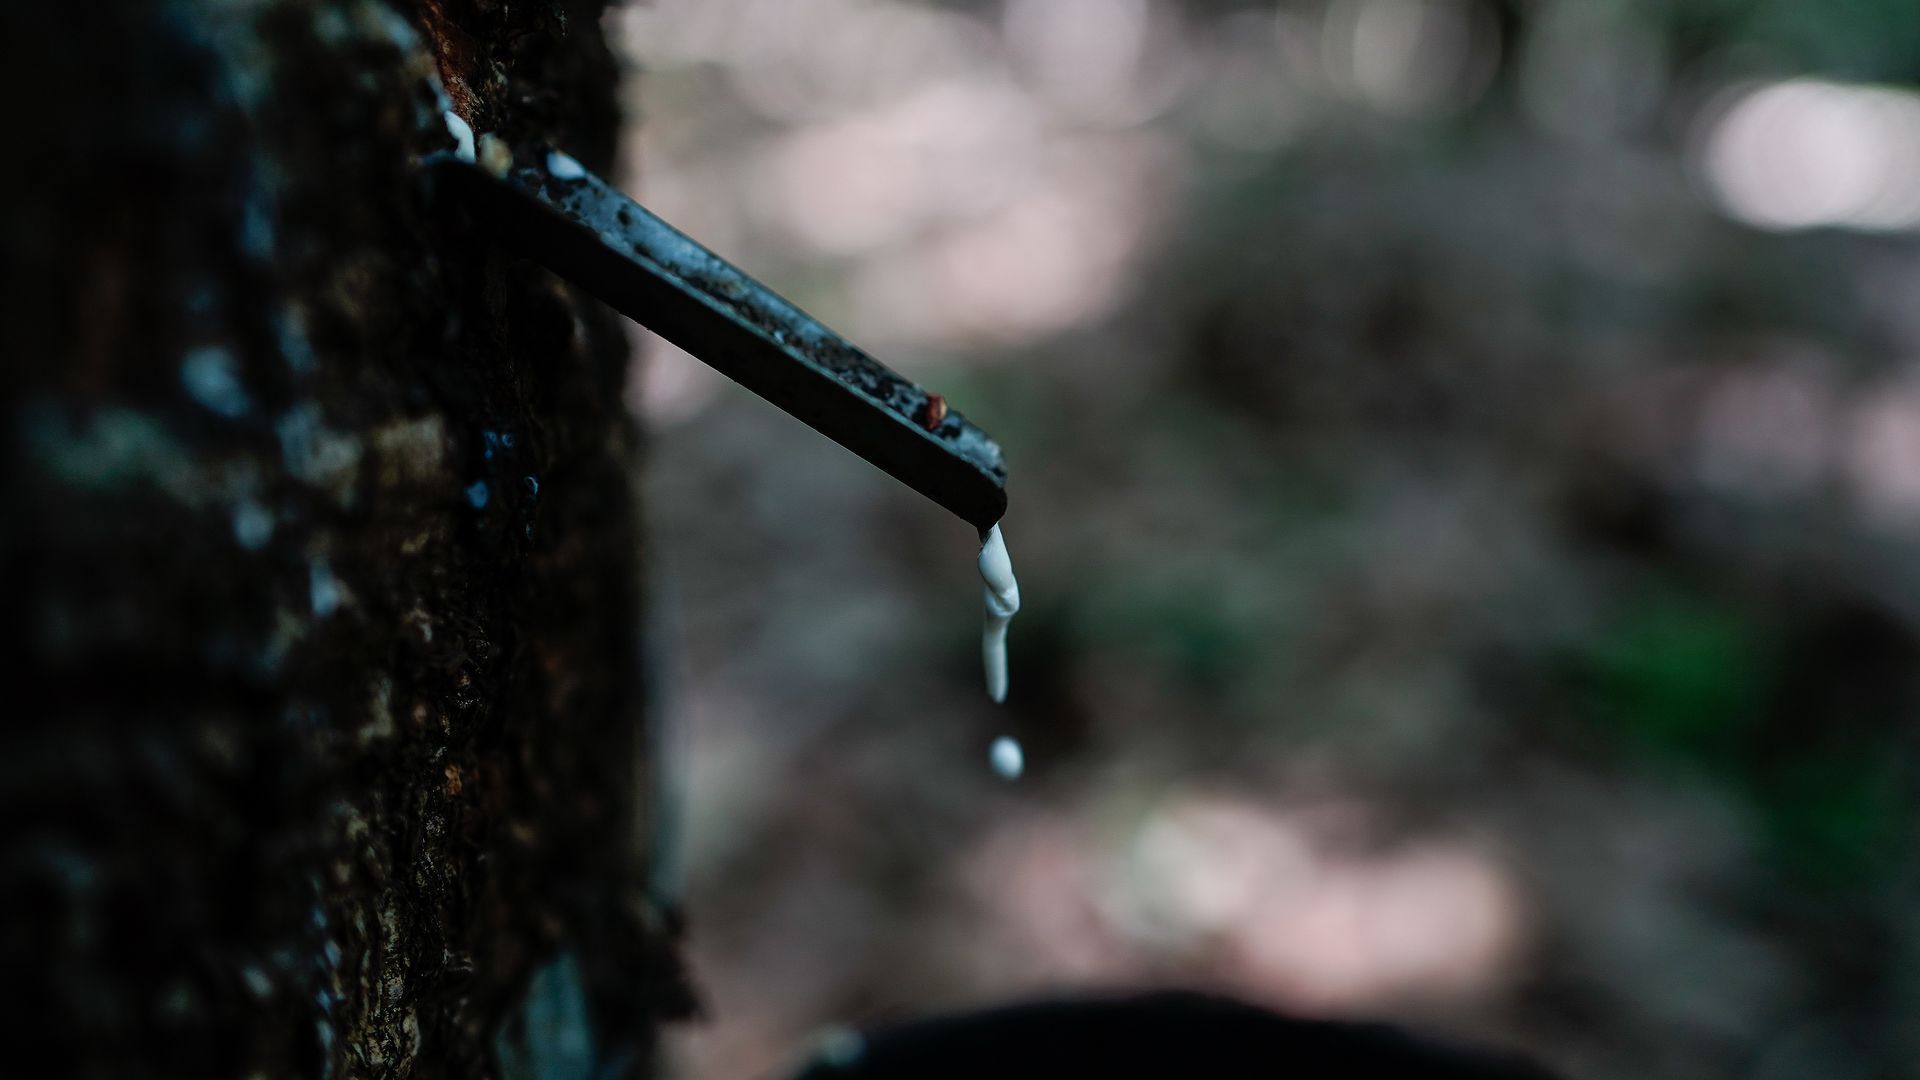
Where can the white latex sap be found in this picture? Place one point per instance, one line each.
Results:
(1002, 601)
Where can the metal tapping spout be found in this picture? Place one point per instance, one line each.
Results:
(548, 207)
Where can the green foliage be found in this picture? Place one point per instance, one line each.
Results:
(1837, 815)
(1685, 680)
(1870, 40)
(1201, 638)
(1680, 679)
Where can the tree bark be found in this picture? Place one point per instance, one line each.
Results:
(320, 558)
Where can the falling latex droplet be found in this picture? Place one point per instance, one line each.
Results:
(1008, 759)
(1002, 601)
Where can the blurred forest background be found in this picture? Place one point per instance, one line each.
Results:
(1465, 475)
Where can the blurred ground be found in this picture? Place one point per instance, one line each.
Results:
(1465, 474)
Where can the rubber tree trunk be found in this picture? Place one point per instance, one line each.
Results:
(319, 554)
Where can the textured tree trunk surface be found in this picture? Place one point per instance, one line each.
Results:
(320, 558)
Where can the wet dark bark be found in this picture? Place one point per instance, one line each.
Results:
(319, 557)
